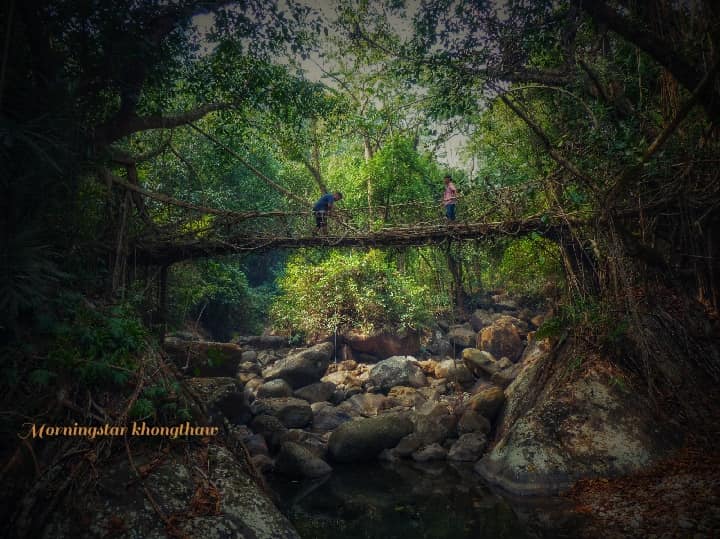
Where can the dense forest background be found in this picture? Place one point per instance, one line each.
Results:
(129, 129)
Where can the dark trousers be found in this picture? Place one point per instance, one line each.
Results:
(450, 212)
(320, 218)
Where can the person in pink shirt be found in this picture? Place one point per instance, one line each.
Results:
(449, 198)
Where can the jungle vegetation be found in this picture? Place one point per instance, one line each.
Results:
(129, 124)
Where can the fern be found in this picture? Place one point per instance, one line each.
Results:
(142, 409)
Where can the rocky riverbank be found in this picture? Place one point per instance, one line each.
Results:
(484, 392)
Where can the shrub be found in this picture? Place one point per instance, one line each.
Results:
(217, 292)
(96, 345)
(529, 265)
(362, 291)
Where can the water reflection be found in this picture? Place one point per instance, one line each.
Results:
(399, 500)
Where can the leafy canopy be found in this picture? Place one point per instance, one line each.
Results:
(361, 291)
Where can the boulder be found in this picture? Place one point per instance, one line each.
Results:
(204, 359)
(314, 442)
(239, 506)
(270, 427)
(384, 345)
(440, 347)
(294, 460)
(262, 342)
(397, 371)
(472, 421)
(265, 357)
(405, 396)
(251, 387)
(408, 445)
(263, 463)
(505, 363)
(428, 366)
(328, 417)
(364, 439)
(462, 336)
(348, 365)
(274, 389)
(430, 452)
(244, 377)
(429, 393)
(256, 445)
(433, 423)
(222, 397)
(363, 404)
(292, 412)
(504, 377)
(482, 318)
(302, 368)
(453, 371)
(345, 365)
(249, 356)
(480, 362)
(469, 447)
(487, 402)
(502, 338)
(581, 424)
(504, 302)
(340, 378)
(317, 392)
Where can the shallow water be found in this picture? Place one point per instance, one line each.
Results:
(401, 500)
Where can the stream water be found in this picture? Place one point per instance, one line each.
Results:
(406, 500)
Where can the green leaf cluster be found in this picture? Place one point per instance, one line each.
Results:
(361, 291)
(217, 294)
(161, 402)
(97, 346)
(528, 266)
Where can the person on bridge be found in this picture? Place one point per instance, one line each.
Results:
(322, 209)
(449, 198)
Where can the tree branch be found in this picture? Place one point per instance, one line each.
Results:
(562, 161)
(165, 199)
(126, 121)
(119, 128)
(122, 157)
(656, 144)
(677, 65)
(620, 105)
(253, 169)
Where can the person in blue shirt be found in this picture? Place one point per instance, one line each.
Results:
(322, 209)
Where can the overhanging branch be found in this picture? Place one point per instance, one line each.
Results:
(119, 128)
(253, 169)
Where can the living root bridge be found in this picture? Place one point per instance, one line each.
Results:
(165, 253)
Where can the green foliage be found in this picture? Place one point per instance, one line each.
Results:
(591, 318)
(362, 291)
(161, 402)
(97, 346)
(528, 266)
(142, 409)
(551, 328)
(400, 174)
(217, 293)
